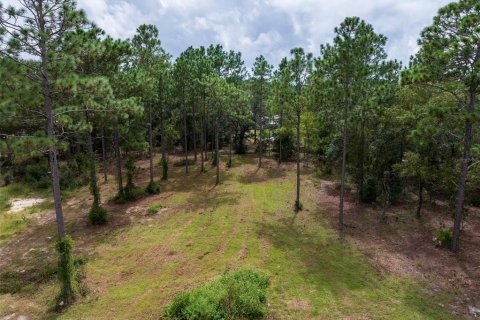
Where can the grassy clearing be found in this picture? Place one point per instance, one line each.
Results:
(12, 223)
(246, 222)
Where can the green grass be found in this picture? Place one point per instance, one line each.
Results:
(154, 208)
(247, 221)
(12, 223)
(246, 225)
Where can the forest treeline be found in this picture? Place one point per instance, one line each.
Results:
(73, 99)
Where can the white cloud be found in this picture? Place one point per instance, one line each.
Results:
(268, 27)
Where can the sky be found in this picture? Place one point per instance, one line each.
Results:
(267, 27)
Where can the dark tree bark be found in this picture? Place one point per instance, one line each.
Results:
(52, 150)
(230, 152)
(466, 159)
(93, 172)
(418, 213)
(194, 132)
(104, 158)
(217, 157)
(118, 160)
(202, 136)
(162, 138)
(150, 142)
(280, 140)
(185, 139)
(260, 142)
(297, 202)
(344, 160)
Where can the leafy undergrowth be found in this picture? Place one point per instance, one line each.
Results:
(236, 295)
(248, 222)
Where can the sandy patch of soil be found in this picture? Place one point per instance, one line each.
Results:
(18, 205)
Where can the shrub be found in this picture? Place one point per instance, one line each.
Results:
(236, 295)
(368, 190)
(36, 175)
(67, 271)
(154, 208)
(152, 188)
(97, 216)
(444, 238)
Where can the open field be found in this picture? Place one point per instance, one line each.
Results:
(140, 260)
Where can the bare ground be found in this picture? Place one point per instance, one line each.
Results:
(404, 245)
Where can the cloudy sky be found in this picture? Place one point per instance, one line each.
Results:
(268, 27)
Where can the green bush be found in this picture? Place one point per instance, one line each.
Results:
(368, 190)
(154, 208)
(67, 271)
(97, 216)
(236, 295)
(444, 238)
(36, 175)
(152, 188)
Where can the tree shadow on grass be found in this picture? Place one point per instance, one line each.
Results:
(341, 276)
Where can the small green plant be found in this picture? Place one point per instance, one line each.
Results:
(67, 271)
(444, 238)
(154, 208)
(97, 215)
(152, 188)
(236, 295)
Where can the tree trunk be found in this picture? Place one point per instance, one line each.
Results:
(205, 122)
(213, 137)
(93, 172)
(194, 134)
(118, 160)
(104, 158)
(52, 153)
(230, 152)
(185, 141)
(361, 153)
(217, 157)
(150, 141)
(163, 139)
(420, 201)
(260, 143)
(202, 137)
(344, 160)
(467, 145)
(297, 202)
(52, 150)
(280, 140)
